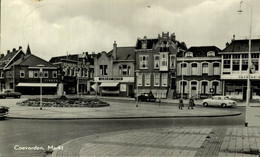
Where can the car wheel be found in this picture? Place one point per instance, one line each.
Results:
(205, 104)
(3, 97)
(18, 96)
(224, 105)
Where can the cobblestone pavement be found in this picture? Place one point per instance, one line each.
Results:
(167, 142)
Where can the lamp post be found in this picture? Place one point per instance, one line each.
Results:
(41, 76)
(249, 62)
(137, 73)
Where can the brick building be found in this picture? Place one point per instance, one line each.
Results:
(198, 72)
(114, 71)
(156, 64)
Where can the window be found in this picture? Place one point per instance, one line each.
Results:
(124, 70)
(103, 69)
(164, 59)
(235, 65)
(184, 68)
(244, 65)
(256, 64)
(31, 74)
(211, 54)
(183, 85)
(164, 79)
(36, 74)
(22, 74)
(172, 62)
(205, 69)
(147, 79)
(54, 74)
(45, 74)
(2, 74)
(140, 79)
(156, 61)
(156, 79)
(188, 54)
(228, 56)
(143, 61)
(216, 69)
(194, 69)
(226, 64)
(215, 86)
(204, 87)
(144, 44)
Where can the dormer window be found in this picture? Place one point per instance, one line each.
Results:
(144, 44)
(188, 54)
(211, 54)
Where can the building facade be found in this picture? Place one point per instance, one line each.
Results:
(156, 64)
(234, 69)
(114, 72)
(26, 74)
(76, 73)
(198, 73)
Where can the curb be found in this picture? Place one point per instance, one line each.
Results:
(144, 117)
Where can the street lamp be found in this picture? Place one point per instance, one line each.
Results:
(41, 76)
(137, 73)
(249, 62)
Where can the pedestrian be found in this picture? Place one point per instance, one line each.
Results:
(191, 102)
(181, 104)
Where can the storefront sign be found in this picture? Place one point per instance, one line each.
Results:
(251, 77)
(123, 87)
(114, 79)
(239, 76)
(110, 78)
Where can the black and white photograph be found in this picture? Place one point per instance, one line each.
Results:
(177, 78)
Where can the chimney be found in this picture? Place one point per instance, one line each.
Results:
(2, 56)
(14, 50)
(234, 37)
(173, 36)
(145, 38)
(114, 50)
(8, 51)
(227, 44)
(20, 47)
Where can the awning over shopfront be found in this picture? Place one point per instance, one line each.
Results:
(37, 85)
(108, 84)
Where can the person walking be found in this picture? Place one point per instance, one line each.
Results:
(181, 104)
(191, 102)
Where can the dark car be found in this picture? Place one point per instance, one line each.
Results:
(146, 97)
(10, 93)
(4, 112)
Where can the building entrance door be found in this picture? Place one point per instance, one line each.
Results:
(193, 91)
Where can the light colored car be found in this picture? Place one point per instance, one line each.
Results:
(10, 93)
(222, 101)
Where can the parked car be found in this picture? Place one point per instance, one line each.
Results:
(146, 97)
(4, 112)
(222, 101)
(10, 93)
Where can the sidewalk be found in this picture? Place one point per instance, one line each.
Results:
(167, 142)
(116, 110)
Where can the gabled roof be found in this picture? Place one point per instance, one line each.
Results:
(243, 45)
(201, 51)
(9, 57)
(32, 61)
(124, 53)
(73, 57)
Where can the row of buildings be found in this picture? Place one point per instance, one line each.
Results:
(162, 65)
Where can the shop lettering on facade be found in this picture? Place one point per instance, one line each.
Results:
(251, 77)
(110, 78)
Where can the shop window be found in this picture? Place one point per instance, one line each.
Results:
(205, 68)
(156, 61)
(143, 61)
(194, 69)
(22, 74)
(164, 79)
(147, 79)
(156, 79)
(235, 66)
(103, 69)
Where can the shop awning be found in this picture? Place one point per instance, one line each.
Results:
(37, 85)
(108, 84)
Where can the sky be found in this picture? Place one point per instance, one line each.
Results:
(57, 27)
